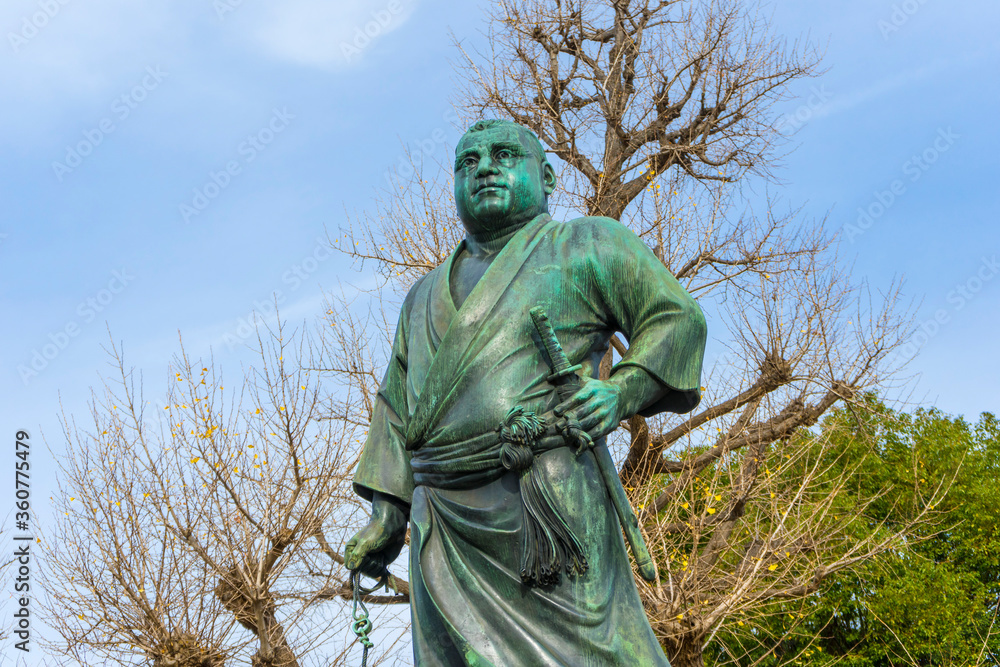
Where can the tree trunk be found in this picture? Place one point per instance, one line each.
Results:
(685, 652)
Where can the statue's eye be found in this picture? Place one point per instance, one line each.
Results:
(504, 154)
(469, 162)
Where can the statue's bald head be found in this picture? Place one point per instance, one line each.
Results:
(529, 139)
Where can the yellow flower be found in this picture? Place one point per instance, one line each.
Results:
(772, 567)
(195, 459)
(711, 510)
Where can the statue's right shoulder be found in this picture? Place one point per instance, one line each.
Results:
(421, 284)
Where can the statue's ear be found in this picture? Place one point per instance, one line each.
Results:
(548, 178)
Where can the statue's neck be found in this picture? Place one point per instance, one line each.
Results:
(484, 243)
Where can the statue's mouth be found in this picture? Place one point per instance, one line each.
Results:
(490, 186)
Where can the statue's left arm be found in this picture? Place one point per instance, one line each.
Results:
(664, 326)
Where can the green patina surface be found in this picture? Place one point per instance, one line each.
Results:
(464, 355)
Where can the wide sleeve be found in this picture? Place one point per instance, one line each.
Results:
(384, 465)
(664, 325)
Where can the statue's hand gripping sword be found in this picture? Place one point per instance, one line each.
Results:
(567, 382)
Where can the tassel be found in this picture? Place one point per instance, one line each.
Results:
(518, 433)
(547, 543)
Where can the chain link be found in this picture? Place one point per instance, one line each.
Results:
(361, 624)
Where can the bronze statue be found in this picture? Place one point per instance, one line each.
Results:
(494, 454)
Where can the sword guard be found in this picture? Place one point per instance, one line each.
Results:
(557, 376)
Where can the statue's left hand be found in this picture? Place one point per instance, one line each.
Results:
(598, 406)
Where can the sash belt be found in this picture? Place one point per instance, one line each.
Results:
(548, 544)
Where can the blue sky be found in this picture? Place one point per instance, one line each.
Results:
(119, 114)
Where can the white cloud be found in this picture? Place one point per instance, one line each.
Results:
(68, 60)
(882, 87)
(325, 34)
(60, 57)
(58, 48)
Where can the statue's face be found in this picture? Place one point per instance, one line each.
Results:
(500, 183)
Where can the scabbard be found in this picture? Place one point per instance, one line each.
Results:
(567, 382)
(627, 518)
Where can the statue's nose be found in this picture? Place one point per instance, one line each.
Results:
(487, 166)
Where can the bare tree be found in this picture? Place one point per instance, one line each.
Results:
(199, 537)
(656, 111)
(623, 90)
(411, 229)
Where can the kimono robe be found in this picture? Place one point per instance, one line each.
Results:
(433, 443)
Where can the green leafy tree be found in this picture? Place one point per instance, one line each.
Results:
(931, 601)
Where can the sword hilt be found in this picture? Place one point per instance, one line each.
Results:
(561, 367)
